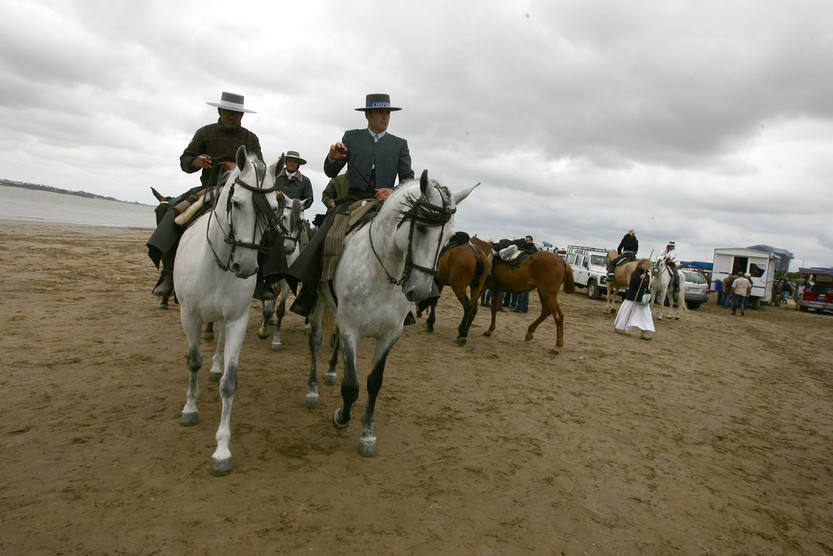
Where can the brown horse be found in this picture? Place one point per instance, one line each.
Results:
(463, 267)
(621, 276)
(541, 270)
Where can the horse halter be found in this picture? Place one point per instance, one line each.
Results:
(264, 218)
(419, 211)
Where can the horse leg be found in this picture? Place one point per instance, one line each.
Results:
(494, 305)
(469, 310)
(216, 361)
(280, 312)
(190, 413)
(209, 331)
(315, 336)
(367, 443)
(234, 333)
(332, 377)
(429, 323)
(267, 310)
(350, 382)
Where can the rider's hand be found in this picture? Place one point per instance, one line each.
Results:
(228, 166)
(202, 161)
(338, 151)
(382, 194)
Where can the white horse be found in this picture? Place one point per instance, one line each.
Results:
(660, 281)
(384, 268)
(290, 222)
(215, 272)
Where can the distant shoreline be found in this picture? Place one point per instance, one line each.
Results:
(50, 189)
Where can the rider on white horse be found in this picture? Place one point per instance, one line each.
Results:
(671, 259)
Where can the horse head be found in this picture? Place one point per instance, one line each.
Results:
(239, 213)
(425, 222)
(611, 254)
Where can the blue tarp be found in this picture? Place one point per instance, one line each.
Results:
(699, 264)
(781, 265)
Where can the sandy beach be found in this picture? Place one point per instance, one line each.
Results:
(714, 438)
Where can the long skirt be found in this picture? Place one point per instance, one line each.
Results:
(632, 314)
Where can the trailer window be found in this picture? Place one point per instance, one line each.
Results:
(756, 270)
(739, 265)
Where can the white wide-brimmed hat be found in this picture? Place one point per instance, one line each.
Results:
(296, 156)
(230, 101)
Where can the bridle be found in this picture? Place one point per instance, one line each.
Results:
(264, 218)
(418, 211)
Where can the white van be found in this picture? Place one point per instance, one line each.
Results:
(589, 268)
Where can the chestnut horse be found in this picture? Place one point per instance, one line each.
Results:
(463, 267)
(622, 278)
(542, 271)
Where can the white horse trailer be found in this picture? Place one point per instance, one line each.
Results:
(760, 264)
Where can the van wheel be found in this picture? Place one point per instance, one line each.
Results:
(592, 289)
(803, 308)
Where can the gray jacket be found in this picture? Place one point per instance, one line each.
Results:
(372, 163)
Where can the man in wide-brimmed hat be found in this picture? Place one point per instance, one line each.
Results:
(291, 181)
(212, 151)
(374, 157)
(671, 258)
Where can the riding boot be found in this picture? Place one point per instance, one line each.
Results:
(305, 301)
(165, 285)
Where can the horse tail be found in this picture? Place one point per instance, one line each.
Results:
(569, 283)
(479, 269)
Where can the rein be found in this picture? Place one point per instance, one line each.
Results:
(422, 212)
(264, 218)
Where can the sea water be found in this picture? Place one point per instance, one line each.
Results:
(30, 205)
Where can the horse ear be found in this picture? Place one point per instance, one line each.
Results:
(159, 196)
(460, 195)
(423, 182)
(307, 203)
(280, 164)
(240, 157)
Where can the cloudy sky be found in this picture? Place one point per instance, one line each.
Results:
(708, 123)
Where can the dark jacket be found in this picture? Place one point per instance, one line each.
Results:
(220, 143)
(637, 285)
(372, 164)
(298, 187)
(628, 243)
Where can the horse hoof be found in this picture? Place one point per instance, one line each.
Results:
(215, 377)
(429, 328)
(337, 420)
(487, 333)
(528, 337)
(555, 351)
(208, 335)
(311, 401)
(277, 346)
(461, 341)
(163, 305)
(331, 379)
(220, 467)
(189, 419)
(367, 446)
(678, 318)
(262, 334)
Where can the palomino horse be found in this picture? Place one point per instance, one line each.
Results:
(541, 270)
(385, 267)
(290, 223)
(464, 267)
(622, 278)
(215, 275)
(660, 280)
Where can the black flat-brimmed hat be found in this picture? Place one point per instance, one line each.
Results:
(378, 101)
(230, 101)
(296, 156)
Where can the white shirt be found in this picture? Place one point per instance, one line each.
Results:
(376, 136)
(670, 255)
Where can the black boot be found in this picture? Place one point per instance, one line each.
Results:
(165, 284)
(305, 302)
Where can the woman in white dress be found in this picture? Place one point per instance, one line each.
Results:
(635, 310)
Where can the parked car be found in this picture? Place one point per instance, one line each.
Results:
(696, 289)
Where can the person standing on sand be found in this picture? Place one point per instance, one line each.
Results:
(741, 288)
(632, 313)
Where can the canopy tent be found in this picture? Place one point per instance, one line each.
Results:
(784, 256)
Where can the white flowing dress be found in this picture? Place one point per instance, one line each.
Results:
(632, 314)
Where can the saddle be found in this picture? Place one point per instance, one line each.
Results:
(512, 255)
(625, 257)
(347, 219)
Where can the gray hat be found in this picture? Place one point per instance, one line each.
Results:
(296, 156)
(230, 101)
(380, 101)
